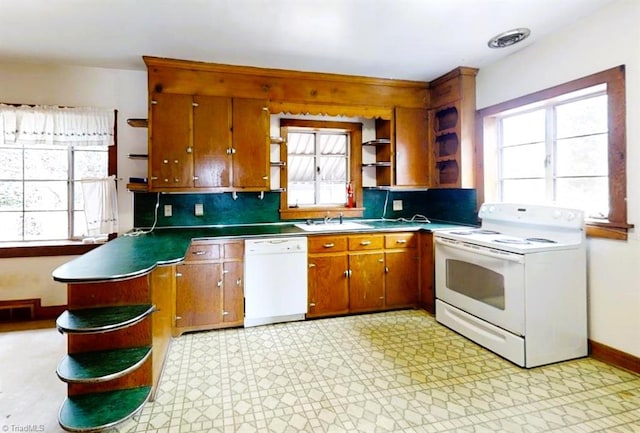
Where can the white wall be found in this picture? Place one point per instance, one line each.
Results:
(123, 90)
(604, 40)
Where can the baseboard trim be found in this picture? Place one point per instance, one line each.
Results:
(30, 310)
(613, 356)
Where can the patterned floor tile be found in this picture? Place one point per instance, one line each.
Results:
(388, 372)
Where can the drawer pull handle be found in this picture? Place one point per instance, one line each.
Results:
(219, 283)
(225, 313)
(401, 241)
(329, 245)
(199, 253)
(178, 274)
(312, 304)
(365, 243)
(239, 282)
(380, 260)
(312, 265)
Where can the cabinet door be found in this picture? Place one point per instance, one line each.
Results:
(366, 281)
(198, 294)
(233, 297)
(401, 281)
(412, 147)
(212, 141)
(328, 285)
(170, 142)
(251, 144)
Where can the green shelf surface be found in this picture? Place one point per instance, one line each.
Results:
(101, 366)
(92, 320)
(99, 411)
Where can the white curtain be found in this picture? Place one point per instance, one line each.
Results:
(100, 205)
(67, 126)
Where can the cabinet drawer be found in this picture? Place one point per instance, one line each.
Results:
(326, 244)
(203, 251)
(366, 242)
(400, 240)
(233, 249)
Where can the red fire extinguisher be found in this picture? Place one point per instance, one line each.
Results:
(351, 202)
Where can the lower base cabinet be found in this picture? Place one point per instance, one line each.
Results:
(328, 284)
(362, 273)
(209, 287)
(402, 263)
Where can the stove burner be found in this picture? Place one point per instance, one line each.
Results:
(513, 241)
(475, 232)
(486, 232)
(542, 240)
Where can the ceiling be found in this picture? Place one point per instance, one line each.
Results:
(402, 39)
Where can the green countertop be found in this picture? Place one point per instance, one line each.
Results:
(131, 256)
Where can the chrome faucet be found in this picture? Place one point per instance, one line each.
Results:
(328, 219)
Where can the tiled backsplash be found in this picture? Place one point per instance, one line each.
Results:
(455, 205)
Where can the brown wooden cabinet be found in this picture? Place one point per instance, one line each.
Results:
(201, 142)
(209, 286)
(251, 144)
(170, 142)
(328, 281)
(412, 160)
(363, 272)
(401, 270)
(366, 272)
(452, 121)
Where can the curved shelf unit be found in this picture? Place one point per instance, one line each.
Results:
(101, 410)
(101, 366)
(105, 319)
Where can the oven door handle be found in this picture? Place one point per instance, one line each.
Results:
(483, 251)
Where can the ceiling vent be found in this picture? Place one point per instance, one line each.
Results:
(509, 38)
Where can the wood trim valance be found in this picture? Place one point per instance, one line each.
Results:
(369, 112)
(199, 78)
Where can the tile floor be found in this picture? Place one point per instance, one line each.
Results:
(388, 372)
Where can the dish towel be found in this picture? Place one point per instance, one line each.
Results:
(100, 205)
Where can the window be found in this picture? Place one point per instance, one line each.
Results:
(43, 161)
(321, 159)
(564, 145)
(318, 166)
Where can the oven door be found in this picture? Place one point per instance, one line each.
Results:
(484, 282)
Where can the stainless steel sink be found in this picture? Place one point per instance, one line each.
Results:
(333, 226)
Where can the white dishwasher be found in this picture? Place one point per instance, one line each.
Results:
(275, 280)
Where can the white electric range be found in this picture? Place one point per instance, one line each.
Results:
(517, 284)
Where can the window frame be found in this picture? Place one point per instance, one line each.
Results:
(63, 247)
(616, 225)
(354, 130)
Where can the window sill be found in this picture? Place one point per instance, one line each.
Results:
(44, 249)
(320, 212)
(607, 230)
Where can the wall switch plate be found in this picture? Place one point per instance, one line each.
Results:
(199, 211)
(397, 205)
(168, 210)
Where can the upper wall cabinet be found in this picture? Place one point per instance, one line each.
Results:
(412, 147)
(171, 142)
(452, 120)
(219, 139)
(207, 142)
